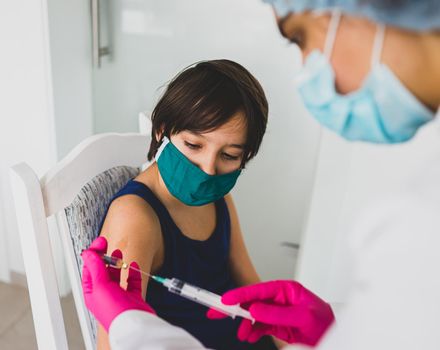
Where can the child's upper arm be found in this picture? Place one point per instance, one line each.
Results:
(242, 269)
(132, 226)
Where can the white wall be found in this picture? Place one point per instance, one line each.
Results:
(71, 76)
(153, 40)
(71, 56)
(45, 90)
(26, 114)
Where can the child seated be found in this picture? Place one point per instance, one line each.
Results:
(176, 218)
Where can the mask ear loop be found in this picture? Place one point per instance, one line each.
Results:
(377, 45)
(165, 141)
(331, 33)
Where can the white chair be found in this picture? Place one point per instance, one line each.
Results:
(144, 120)
(76, 191)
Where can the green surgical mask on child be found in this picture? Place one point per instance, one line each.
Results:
(187, 182)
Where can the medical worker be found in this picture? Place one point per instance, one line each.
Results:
(380, 89)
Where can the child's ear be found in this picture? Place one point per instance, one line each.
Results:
(158, 136)
(159, 133)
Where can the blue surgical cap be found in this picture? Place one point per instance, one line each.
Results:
(418, 15)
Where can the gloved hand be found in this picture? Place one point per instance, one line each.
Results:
(102, 294)
(284, 309)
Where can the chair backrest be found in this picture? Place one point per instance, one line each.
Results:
(145, 124)
(77, 192)
(82, 218)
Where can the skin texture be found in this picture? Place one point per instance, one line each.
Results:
(413, 56)
(132, 226)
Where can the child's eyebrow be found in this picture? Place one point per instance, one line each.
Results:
(234, 145)
(195, 133)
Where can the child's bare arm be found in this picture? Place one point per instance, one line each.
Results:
(242, 269)
(132, 227)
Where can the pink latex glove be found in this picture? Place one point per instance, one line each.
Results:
(284, 309)
(102, 294)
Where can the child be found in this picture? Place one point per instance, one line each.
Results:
(176, 218)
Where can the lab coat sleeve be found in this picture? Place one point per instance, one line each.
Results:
(393, 301)
(139, 330)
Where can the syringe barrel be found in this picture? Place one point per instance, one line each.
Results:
(206, 298)
(114, 261)
(110, 260)
(174, 285)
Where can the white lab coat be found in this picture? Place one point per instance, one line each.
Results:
(394, 301)
(139, 330)
(394, 296)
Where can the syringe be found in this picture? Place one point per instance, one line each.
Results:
(119, 264)
(203, 296)
(188, 291)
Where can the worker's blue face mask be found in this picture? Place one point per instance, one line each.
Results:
(186, 181)
(383, 110)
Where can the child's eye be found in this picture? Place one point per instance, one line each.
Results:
(191, 145)
(230, 157)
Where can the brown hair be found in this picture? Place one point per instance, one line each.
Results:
(205, 96)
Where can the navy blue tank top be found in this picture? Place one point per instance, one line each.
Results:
(201, 263)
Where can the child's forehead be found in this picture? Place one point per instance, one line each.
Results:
(233, 132)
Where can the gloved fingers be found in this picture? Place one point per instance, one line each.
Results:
(256, 292)
(213, 314)
(95, 266)
(254, 332)
(280, 315)
(284, 333)
(244, 330)
(87, 282)
(134, 280)
(258, 330)
(99, 245)
(115, 273)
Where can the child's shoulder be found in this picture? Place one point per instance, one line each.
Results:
(132, 226)
(131, 216)
(132, 208)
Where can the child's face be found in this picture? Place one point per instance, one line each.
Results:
(216, 152)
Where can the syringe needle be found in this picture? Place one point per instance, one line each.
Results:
(139, 270)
